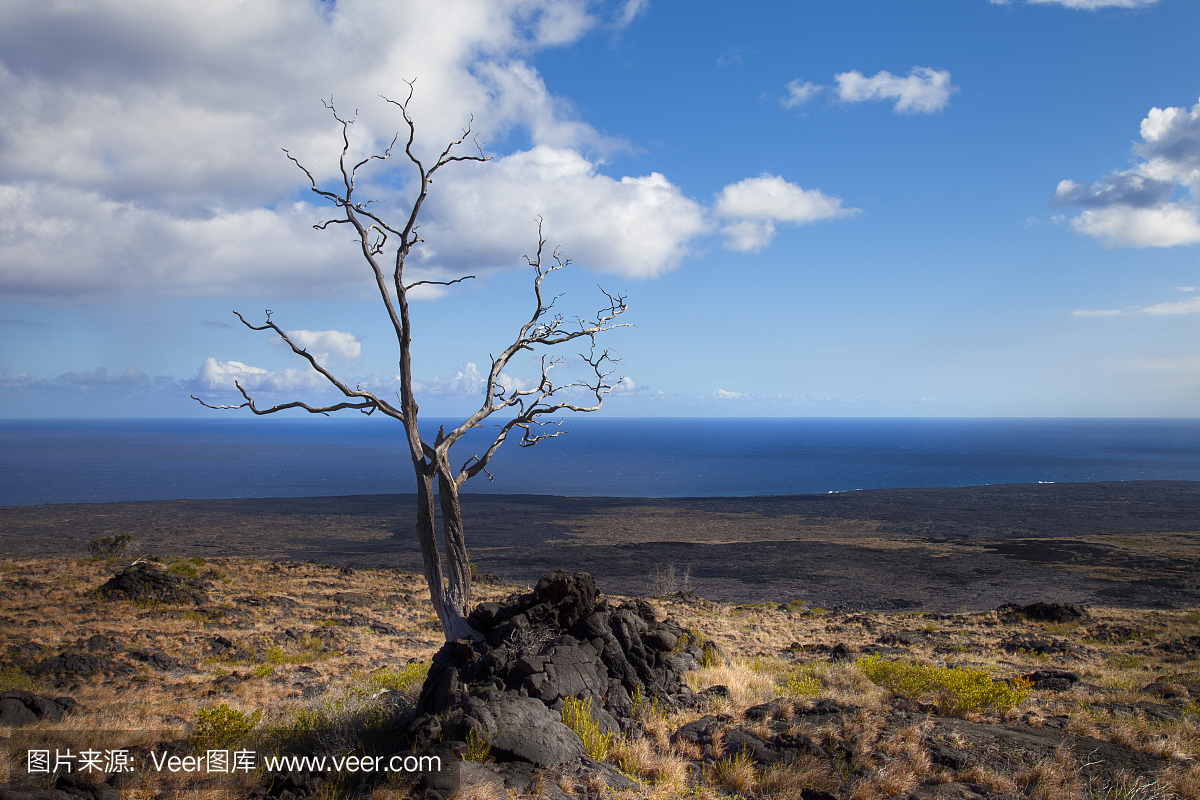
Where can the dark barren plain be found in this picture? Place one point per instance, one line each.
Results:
(1130, 544)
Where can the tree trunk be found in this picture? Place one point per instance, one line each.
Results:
(458, 593)
(450, 612)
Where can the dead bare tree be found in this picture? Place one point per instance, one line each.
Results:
(530, 408)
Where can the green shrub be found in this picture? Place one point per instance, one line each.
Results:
(577, 715)
(222, 727)
(800, 683)
(108, 546)
(955, 691)
(181, 567)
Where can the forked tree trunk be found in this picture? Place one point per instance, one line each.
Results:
(449, 603)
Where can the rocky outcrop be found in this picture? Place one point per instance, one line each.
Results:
(144, 582)
(1045, 612)
(19, 708)
(557, 642)
(75, 665)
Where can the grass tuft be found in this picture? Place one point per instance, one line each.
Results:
(221, 727)
(577, 715)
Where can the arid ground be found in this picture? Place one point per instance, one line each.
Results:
(866, 644)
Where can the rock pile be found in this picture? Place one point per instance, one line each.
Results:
(145, 582)
(1045, 612)
(557, 642)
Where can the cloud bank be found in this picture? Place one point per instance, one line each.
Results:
(1155, 203)
(140, 144)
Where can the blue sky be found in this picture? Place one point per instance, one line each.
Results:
(925, 207)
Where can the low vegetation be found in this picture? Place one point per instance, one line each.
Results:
(307, 658)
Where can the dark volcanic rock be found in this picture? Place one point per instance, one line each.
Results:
(78, 665)
(147, 583)
(159, 660)
(1047, 612)
(1018, 643)
(1058, 680)
(522, 728)
(555, 643)
(1188, 647)
(19, 708)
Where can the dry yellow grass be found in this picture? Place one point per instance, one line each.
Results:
(771, 647)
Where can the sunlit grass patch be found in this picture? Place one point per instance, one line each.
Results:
(577, 715)
(954, 691)
(15, 678)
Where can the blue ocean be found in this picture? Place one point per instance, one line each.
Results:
(93, 461)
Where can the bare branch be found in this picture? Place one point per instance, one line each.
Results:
(439, 283)
(369, 400)
(367, 408)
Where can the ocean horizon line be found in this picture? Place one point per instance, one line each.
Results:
(93, 460)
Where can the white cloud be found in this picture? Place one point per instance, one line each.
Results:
(1188, 306)
(751, 208)
(1084, 5)
(219, 376)
(722, 394)
(922, 91)
(142, 137)
(321, 344)
(1135, 207)
(630, 11)
(463, 381)
(637, 227)
(799, 93)
(1123, 226)
(147, 145)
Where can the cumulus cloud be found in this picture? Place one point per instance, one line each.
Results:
(1140, 207)
(922, 91)
(142, 139)
(750, 209)
(219, 376)
(321, 344)
(635, 226)
(1084, 5)
(799, 93)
